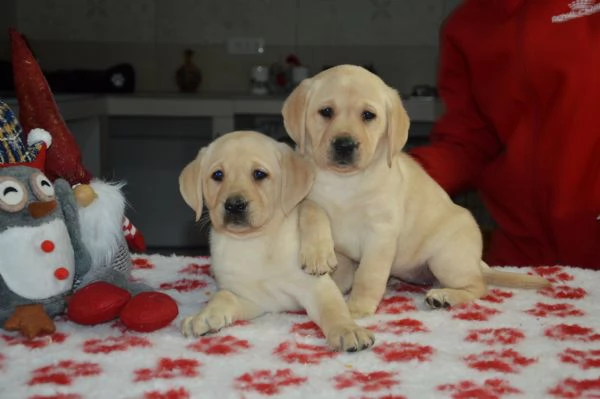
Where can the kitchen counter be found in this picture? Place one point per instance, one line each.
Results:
(221, 107)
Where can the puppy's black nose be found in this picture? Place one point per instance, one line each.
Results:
(236, 205)
(344, 145)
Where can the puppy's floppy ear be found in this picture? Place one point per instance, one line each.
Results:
(297, 177)
(190, 184)
(398, 124)
(294, 113)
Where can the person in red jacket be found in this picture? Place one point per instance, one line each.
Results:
(520, 81)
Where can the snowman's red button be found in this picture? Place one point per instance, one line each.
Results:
(47, 246)
(61, 273)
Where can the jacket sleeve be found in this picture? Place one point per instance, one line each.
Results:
(461, 142)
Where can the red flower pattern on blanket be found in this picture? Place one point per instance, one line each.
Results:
(298, 352)
(142, 263)
(168, 368)
(35, 343)
(496, 295)
(404, 352)
(563, 292)
(220, 345)
(64, 372)
(58, 396)
(495, 336)
(174, 393)
(400, 327)
(490, 389)
(554, 274)
(268, 382)
(196, 269)
(572, 332)
(307, 329)
(396, 304)
(486, 349)
(474, 312)
(589, 359)
(505, 361)
(112, 344)
(572, 388)
(555, 310)
(184, 285)
(367, 381)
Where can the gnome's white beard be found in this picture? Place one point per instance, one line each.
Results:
(101, 222)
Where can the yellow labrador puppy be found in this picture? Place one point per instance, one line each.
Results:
(388, 216)
(252, 186)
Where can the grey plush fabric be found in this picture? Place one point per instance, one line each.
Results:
(66, 211)
(68, 204)
(117, 272)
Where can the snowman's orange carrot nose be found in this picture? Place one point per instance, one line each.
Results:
(41, 209)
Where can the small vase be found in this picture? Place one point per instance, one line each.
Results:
(188, 76)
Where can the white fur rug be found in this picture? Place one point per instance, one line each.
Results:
(512, 344)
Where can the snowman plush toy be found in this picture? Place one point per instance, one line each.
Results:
(42, 250)
(59, 256)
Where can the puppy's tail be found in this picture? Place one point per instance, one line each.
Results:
(512, 279)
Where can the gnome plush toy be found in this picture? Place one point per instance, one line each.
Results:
(38, 109)
(43, 253)
(106, 290)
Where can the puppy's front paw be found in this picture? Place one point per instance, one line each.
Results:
(207, 321)
(350, 338)
(439, 298)
(360, 308)
(318, 258)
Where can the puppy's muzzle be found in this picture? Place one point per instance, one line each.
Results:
(343, 149)
(236, 210)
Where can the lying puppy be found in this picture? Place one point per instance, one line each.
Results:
(253, 186)
(387, 215)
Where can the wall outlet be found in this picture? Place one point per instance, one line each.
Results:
(246, 45)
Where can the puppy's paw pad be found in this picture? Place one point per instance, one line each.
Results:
(204, 323)
(350, 338)
(437, 299)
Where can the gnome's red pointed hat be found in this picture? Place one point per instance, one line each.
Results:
(13, 151)
(37, 109)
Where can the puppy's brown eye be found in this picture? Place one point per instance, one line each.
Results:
(259, 174)
(326, 112)
(368, 115)
(217, 175)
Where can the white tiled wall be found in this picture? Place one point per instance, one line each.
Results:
(398, 36)
(370, 23)
(88, 20)
(205, 22)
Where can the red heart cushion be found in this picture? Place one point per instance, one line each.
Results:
(97, 303)
(149, 311)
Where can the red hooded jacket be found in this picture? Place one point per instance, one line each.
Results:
(520, 80)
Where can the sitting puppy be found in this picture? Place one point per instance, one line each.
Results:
(387, 215)
(253, 186)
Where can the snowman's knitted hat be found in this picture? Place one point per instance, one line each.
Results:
(13, 150)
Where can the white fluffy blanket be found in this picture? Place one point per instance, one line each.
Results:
(511, 344)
